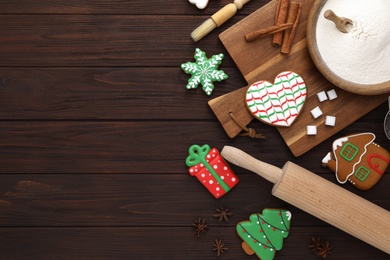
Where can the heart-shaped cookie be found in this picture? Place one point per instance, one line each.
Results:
(201, 4)
(278, 104)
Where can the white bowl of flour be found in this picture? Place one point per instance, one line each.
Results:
(357, 61)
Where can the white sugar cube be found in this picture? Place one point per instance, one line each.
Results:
(316, 112)
(311, 130)
(330, 120)
(332, 94)
(322, 96)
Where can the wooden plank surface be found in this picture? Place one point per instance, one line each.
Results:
(95, 124)
(260, 60)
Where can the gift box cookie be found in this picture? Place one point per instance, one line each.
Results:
(209, 167)
(358, 159)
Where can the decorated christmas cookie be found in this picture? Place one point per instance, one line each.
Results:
(204, 71)
(357, 159)
(201, 4)
(211, 169)
(277, 104)
(263, 234)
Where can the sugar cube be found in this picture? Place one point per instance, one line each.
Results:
(316, 112)
(311, 130)
(330, 120)
(322, 96)
(332, 94)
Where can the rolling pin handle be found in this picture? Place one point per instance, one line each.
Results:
(244, 160)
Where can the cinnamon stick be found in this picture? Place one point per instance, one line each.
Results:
(267, 31)
(280, 18)
(294, 14)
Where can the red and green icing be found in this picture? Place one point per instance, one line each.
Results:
(280, 103)
(208, 166)
(264, 233)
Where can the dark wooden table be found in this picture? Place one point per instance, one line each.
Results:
(95, 127)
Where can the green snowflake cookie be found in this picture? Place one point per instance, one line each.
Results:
(204, 71)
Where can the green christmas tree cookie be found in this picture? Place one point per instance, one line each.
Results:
(263, 234)
(204, 71)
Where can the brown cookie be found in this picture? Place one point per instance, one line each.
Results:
(357, 159)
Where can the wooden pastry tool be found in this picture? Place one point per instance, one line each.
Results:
(260, 60)
(217, 19)
(321, 198)
(343, 24)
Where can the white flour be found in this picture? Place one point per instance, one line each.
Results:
(362, 55)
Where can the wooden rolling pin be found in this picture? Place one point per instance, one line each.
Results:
(321, 198)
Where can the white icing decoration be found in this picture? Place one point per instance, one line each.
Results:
(326, 159)
(288, 215)
(358, 162)
(339, 142)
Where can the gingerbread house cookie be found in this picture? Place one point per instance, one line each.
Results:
(357, 159)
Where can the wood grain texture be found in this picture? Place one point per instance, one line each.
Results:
(95, 126)
(118, 243)
(136, 7)
(260, 60)
(111, 200)
(105, 93)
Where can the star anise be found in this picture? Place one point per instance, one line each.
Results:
(324, 250)
(219, 247)
(315, 244)
(223, 214)
(200, 225)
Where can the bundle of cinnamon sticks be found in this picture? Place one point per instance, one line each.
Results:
(286, 23)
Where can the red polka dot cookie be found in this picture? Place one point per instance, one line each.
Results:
(209, 167)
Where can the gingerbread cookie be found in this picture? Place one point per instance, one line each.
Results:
(357, 159)
(204, 71)
(211, 169)
(277, 104)
(201, 4)
(263, 234)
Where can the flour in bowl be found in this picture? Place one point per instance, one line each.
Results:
(363, 55)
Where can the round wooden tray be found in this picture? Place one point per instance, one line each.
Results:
(362, 89)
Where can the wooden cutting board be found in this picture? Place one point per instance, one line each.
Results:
(260, 60)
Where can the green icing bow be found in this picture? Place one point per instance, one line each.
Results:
(197, 155)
